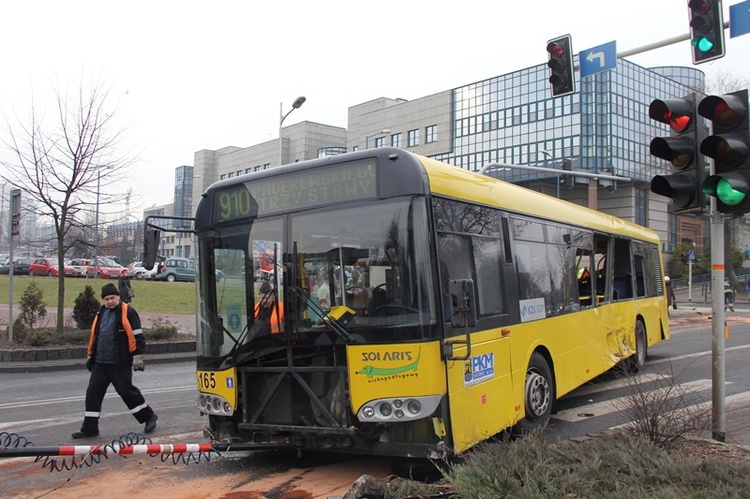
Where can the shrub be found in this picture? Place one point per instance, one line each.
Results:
(74, 337)
(85, 308)
(662, 410)
(163, 332)
(19, 330)
(39, 338)
(32, 305)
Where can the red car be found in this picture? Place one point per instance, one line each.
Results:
(107, 268)
(48, 267)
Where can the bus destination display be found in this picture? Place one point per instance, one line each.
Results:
(310, 188)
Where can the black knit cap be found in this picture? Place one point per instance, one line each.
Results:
(109, 289)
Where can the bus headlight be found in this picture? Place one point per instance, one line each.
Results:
(210, 403)
(382, 410)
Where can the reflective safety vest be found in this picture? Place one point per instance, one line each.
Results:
(276, 322)
(125, 325)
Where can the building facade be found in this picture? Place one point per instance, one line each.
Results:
(512, 120)
(509, 121)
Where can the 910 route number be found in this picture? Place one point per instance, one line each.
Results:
(206, 380)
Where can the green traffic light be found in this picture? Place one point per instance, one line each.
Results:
(703, 44)
(727, 194)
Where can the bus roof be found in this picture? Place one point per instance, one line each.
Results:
(406, 173)
(448, 180)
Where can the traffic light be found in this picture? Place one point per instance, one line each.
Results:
(15, 211)
(568, 180)
(728, 146)
(560, 63)
(706, 30)
(684, 184)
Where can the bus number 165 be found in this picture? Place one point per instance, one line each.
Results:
(206, 380)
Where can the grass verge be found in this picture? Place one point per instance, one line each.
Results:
(617, 465)
(150, 296)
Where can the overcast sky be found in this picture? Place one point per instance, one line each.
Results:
(205, 75)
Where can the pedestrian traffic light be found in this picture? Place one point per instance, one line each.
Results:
(560, 63)
(568, 180)
(684, 184)
(706, 30)
(728, 146)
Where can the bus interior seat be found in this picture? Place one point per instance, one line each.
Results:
(623, 287)
(379, 298)
(584, 291)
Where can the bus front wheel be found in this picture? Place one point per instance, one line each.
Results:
(538, 395)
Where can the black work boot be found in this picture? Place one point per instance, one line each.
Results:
(151, 424)
(85, 434)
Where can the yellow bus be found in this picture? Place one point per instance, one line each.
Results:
(421, 308)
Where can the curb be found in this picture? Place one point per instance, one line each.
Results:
(67, 359)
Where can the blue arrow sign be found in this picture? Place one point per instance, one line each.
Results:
(598, 59)
(739, 19)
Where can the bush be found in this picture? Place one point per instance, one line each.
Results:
(39, 338)
(85, 308)
(662, 410)
(32, 306)
(162, 331)
(74, 337)
(19, 331)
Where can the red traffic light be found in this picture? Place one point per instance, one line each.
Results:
(700, 6)
(725, 111)
(560, 63)
(678, 113)
(555, 49)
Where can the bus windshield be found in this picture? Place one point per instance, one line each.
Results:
(363, 267)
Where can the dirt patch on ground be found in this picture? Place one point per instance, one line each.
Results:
(230, 476)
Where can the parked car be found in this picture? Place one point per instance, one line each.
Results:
(108, 269)
(5, 267)
(80, 264)
(21, 267)
(176, 269)
(48, 267)
(137, 270)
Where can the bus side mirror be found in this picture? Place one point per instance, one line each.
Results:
(150, 247)
(463, 309)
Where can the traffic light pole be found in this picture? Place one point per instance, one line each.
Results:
(718, 374)
(10, 277)
(658, 45)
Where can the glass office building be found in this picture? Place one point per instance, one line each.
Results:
(512, 120)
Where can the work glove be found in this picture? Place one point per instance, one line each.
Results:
(89, 363)
(138, 363)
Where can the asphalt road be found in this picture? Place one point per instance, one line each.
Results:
(45, 408)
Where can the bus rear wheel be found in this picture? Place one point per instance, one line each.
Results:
(637, 361)
(538, 395)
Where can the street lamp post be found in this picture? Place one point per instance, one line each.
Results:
(295, 105)
(368, 137)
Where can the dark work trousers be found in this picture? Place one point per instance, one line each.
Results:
(121, 376)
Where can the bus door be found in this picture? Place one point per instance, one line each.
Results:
(476, 349)
(615, 280)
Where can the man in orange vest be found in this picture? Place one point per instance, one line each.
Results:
(116, 345)
(269, 314)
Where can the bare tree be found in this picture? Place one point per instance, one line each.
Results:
(61, 161)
